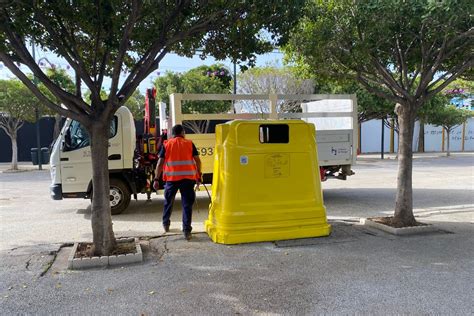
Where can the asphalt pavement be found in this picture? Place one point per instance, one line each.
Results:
(357, 270)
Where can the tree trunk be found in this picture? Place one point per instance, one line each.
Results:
(447, 142)
(14, 165)
(421, 137)
(404, 201)
(101, 219)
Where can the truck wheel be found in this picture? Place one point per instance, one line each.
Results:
(119, 196)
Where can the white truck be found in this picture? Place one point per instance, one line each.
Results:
(336, 131)
(132, 159)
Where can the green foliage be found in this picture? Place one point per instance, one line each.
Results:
(461, 90)
(87, 96)
(460, 86)
(136, 105)
(235, 29)
(449, 117)
(217, 71)
(61, 78)
(397, 46)
(16, 101)
(370, 106)
(437, 104)
(167, 84)
(196, 80)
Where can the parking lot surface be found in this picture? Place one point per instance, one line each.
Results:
(357, 270)
(29, 216)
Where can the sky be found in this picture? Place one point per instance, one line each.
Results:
(171, 62)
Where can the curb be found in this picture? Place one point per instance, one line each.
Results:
(103, 261)
(404, 231)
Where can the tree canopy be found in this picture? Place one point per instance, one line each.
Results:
(213, 79)
(16, 102)
(17, 106)
(202, 79)
(136, 105)
(449, 117)
(370, 106)
(125, 41)
(62, 79)
(106, 39)
(403, 51)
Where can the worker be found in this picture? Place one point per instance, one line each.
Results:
(181, 167)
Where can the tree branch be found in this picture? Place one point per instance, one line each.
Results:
(123, 49)
(413, 79)
(158, 45)
(65, 97)
(426, 79)
(20, 49)
(389, 80)
(101, 74)
(96, 46)
(378, 92)
(373, 78)
(127, 90)
(455, 73)
(403, 67)
(69, 52)
(150, 64)
(78, 85)
(34, 89)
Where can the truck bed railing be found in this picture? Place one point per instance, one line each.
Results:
(177, 117)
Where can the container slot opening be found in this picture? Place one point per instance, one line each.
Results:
(274, 133)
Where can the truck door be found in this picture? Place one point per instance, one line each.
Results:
(75, 157)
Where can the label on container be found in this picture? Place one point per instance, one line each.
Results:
(244, 160)
(277, 165)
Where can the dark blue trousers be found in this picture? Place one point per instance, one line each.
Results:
(188, 196)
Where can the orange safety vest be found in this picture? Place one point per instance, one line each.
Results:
(179, 160)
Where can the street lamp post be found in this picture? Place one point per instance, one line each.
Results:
(37, 113)
(235, 85)
(37, 118)
(235, 77)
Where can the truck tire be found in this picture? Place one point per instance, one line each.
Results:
(120, 196)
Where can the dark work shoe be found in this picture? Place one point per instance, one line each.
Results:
(187, 235)
(166, 228)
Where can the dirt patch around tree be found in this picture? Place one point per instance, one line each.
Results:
(85, 250)
(388, 222)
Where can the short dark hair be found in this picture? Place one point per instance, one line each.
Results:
(177, 130)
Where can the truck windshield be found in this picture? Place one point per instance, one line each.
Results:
(77, 136)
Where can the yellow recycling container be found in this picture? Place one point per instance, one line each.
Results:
(266, 183)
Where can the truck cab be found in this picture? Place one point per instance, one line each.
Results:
(71, 165)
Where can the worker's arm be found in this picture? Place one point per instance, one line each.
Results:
(197, 160)
(158, 171)
(159, 168)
